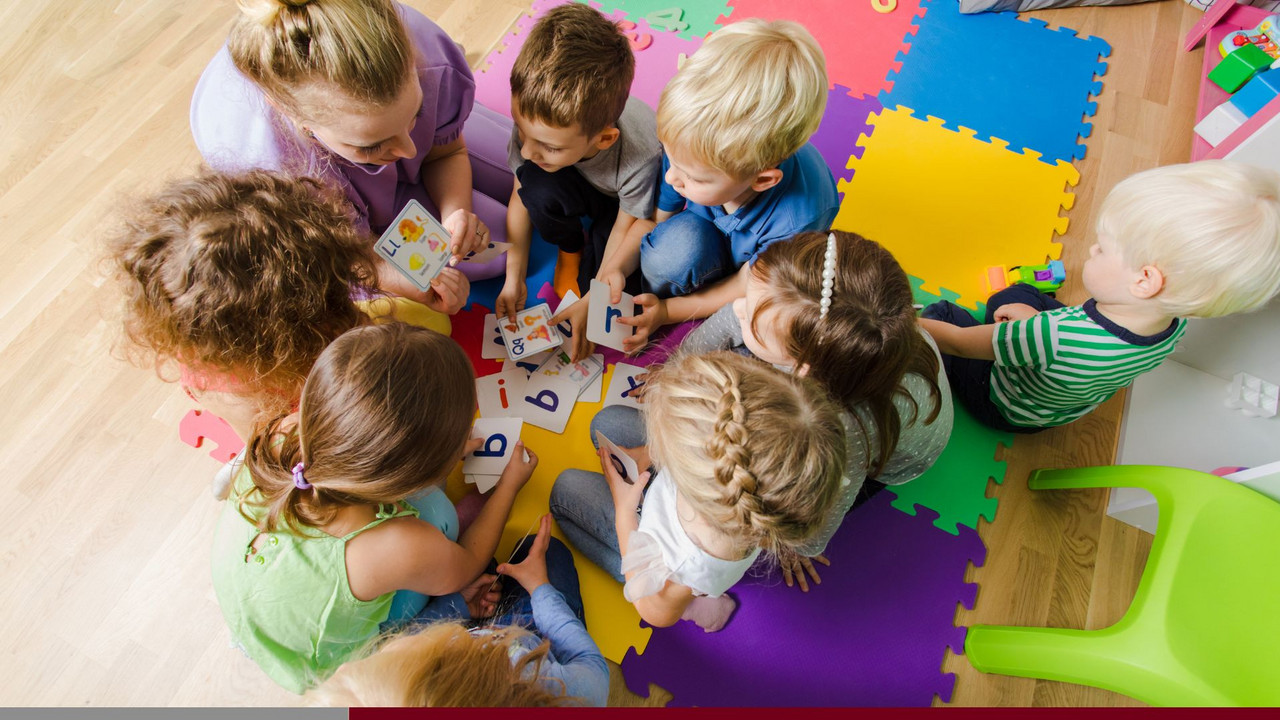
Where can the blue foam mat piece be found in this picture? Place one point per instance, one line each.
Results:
(1016, 80)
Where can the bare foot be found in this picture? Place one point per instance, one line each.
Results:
(711, 614)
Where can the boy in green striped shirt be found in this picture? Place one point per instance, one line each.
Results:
(1193, 240)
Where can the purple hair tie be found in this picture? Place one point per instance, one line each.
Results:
(300, 480)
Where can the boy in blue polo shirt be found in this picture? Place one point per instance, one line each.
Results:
(739, 172)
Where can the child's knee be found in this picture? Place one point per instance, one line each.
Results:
(621, 424)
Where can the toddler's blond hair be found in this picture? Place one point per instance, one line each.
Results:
(1212, 228)
(749, 98)
(757, 452)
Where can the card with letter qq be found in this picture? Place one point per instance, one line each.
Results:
(602, 325)
(416, 244)
(500, 436)
(530, 333)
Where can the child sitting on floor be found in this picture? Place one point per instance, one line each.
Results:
(739, 171)
(1194, 240)
(581, 147)
(501, 665)
(317, 537)
(748, 459)
(837, 308)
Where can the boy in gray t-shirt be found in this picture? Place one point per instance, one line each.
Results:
(581, 147)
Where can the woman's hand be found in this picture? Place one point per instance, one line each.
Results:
(512, 298)
(531, 572)
(467, 232)
(448, 292)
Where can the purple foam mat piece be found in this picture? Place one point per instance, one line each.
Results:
(873, 634)
(844, 121)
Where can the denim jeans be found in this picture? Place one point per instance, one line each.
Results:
(684, 254)
(971, 379)
(580, 499)
(516, 607)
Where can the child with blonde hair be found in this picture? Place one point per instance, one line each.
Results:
(838, 308)
(496, 665)
(739, 171)
(581, 147)
(317, 537)
(1194, 240)
(748, 459)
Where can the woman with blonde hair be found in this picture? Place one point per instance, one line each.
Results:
(374, 97)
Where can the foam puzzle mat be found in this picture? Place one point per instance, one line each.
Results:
(951, 138)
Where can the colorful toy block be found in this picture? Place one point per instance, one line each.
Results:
(1239, 66)
(1220, 123)
(1257, 92)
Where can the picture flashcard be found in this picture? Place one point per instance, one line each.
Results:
(531, 332)
(416, 245)
(593, 392)
(500, 436)
(622, 461)
(624, 384)
(581, 373)
(602, 325)
(531, 363)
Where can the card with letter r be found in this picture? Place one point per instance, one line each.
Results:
(602, 326)
(624, 384)
(500, 436)
(530, 333)
(416, 245)
(548, 401)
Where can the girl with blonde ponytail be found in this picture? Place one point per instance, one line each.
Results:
(370, 95)
(748, 460)
(318, 536)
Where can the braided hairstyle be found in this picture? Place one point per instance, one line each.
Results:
(385, 413)
(756, 452)
(869, 340)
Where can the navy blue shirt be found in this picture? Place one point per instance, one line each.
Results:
(805, 199)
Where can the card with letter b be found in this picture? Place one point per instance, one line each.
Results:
(416, 244)
(602, 325)
(531, 332)
(500, 436)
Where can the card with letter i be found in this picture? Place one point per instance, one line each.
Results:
(416, 244)
(497, 394)
(530, 333)
(603, 327)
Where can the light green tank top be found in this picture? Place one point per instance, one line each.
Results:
(289, 604)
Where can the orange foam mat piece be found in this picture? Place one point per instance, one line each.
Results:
(948, 205)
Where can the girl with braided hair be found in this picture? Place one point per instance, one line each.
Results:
(837, 308)
(748, 459)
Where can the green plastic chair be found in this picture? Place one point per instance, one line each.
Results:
(1204, 626)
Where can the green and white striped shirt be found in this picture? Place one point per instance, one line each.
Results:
(1057, 366)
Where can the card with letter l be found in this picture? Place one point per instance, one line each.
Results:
(416, 245)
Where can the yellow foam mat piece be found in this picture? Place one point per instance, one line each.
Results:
(612, 621)
(948, 205)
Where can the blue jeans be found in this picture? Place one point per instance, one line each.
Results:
(971, 379)
(580, 499)
(683, 255)
(516, 607)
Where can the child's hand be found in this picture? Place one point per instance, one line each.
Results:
(1014, 311)
(653, 315)
(448, 292)
(512, 298)
(616, 282)
(531, 572)
(468, 234)
(518, 470)
(638, 393)
(626, 496)
(481, 596)
(795, 566)
(577, 316)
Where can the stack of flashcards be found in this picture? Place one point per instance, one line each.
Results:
(416, 245)
(483, 467)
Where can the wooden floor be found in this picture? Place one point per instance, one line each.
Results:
(106, 517)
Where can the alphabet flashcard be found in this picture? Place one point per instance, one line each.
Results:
(500, 436)
(603, 327)
(492, 346)
(622, 462)
(548, 401)
(498, 394)
(491, 250)
(531, 332)
(624, 385)
(416, 244)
